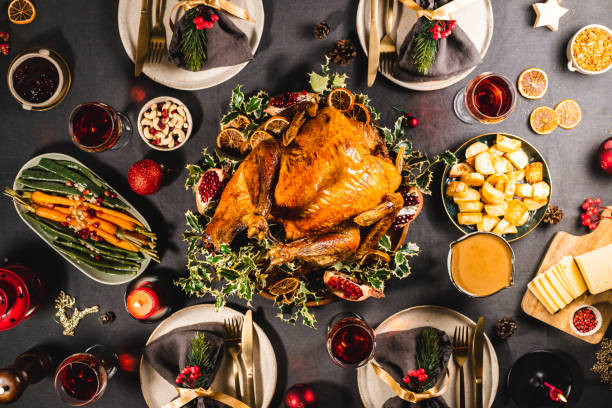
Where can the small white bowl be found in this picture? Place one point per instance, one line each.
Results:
(42, 53)
(572, 65)
(597, 316)
(162, 99)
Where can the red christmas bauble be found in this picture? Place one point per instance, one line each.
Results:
(300, 396)
(145, 177)
(605, 156)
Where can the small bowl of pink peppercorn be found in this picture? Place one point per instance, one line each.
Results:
(585, 320)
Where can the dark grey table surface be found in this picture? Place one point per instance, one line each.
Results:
(86, 34)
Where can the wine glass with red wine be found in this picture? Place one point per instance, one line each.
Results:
(96, 127)
(488, 98)
(81, 378)
(350, 341)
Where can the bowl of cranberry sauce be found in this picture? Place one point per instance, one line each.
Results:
(35, 79)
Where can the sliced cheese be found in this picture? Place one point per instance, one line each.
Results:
(556, 270)
(558, 287)
(544, 299)
(543, 285)
(572, 274)
(596, 269)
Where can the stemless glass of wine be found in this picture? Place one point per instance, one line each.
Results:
(350, 341)
(81, 378)
(488, 98)
(96, 127)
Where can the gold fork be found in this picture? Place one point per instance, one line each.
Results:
(233, 328)
(157, 41)
(387, 45)
(460, 353)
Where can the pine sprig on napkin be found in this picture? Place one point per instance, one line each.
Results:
(428, 356)
(199, 355)
(425, 47)
(193, 41)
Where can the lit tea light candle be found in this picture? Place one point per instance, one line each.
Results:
(142, 302)
(555, 394)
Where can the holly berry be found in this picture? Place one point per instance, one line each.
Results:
(413, 122)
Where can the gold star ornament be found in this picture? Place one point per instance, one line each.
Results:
(548, 14)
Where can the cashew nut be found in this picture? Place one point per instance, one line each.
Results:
(150, 114)
(146, 122)
(181, 111)
(156, 124)
(181, 135)
(146, 131)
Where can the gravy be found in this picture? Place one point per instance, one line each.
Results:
(481, 264)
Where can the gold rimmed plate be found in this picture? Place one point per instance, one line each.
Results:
(489, 139)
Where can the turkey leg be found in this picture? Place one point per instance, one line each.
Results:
(388, 211)
(246, 200)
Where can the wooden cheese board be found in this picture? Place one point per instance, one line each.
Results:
(561, 245)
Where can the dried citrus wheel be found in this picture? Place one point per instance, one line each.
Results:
(240, 122)
(276, 125)
(341, 99)
(257, 137)
(284, 286)
(21, 12)
(533, 83)
(543, 120)
(360, 113)
(230, 139)
(569, 114)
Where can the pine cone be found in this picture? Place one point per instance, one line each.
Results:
(343, 52)
(553, 215)
(505, 327)
(321, 30)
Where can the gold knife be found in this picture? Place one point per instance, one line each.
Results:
(374, 43)
(247, 357)
(142, 46)
(477, 361)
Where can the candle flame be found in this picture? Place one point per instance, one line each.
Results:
(562, 397)
(137, 304)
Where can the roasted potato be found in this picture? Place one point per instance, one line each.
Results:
(534, 172)
(475, 148)
(495, 151)
(509, 190)
(515, 212)
(507, 144)
(484, 163)
(457, 189)
(496, 210)
(473, 179)
(511, 229)
(541, 190)
(487, 223)
(490, 194)
(470, 206)
(472, 195)
(533, 204)
(501, 227)
(524, 190)
(469, 218)
(524, 220)
(502, 165)
(518, 158)
(459, 169)
(518, 175)
(471, 161)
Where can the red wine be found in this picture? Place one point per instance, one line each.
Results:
(493, 97)
(92, 125)
(80, 380)
(352, 344)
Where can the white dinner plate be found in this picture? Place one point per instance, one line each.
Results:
(476, 19)
(169, 74)
(375, 392)
(91, 272)
(158, 392)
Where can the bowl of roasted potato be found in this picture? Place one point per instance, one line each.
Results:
(500, 184)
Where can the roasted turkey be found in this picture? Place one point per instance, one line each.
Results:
(332, 188)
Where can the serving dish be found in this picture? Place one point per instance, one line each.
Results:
(163, 99)
(572, 65)
(92, 273)
(489, 139)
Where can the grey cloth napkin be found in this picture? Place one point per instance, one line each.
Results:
(396, 354)
(168, 353)
(227, 45)
(456, 53)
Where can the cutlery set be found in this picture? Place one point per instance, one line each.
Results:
(151, 45)
(381, 53)
(474, 349)
(239, 342)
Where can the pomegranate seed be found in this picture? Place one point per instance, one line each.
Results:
(69, 183)
(85, 192)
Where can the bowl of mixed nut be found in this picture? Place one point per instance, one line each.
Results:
(164, 123)
(589, 51)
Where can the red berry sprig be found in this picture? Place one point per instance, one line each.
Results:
(5, 47)
(442, 29)
(201, 24)
(419, 375)
(188, 377)
(592, 213)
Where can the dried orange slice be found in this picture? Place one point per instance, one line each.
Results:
(21, 12)
(341, 99)
(284, 286)
(543, 120)
(360, 113)
(257, 137)
(276, 125)
(240, 122)
(569, 113)
(230, 139)
(533, 83)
